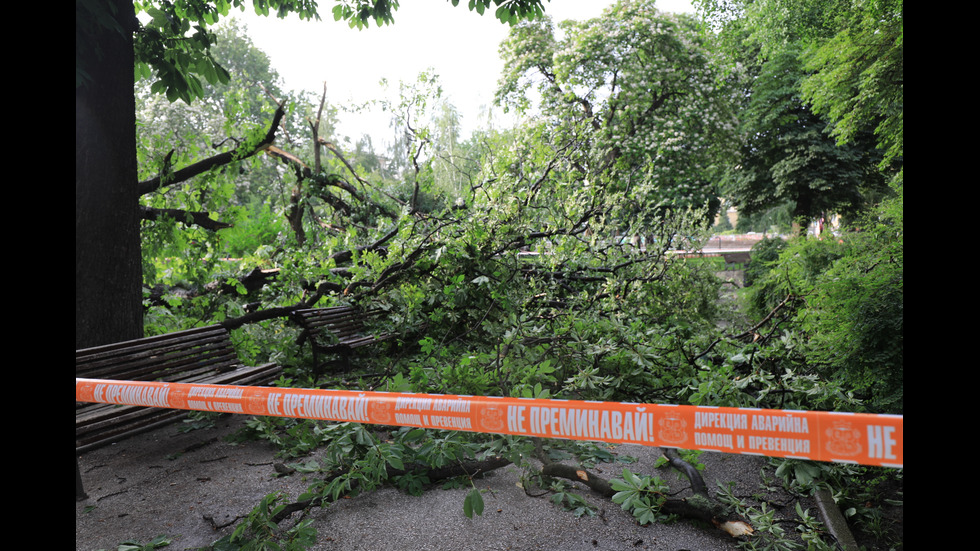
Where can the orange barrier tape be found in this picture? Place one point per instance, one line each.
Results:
(823, 436)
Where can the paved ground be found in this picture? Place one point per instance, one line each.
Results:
(195, 486)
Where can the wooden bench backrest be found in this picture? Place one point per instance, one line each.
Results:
(172, 357)
(341, 321)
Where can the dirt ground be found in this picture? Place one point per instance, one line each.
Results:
(194, 487)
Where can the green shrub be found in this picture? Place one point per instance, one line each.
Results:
(764, 255)
(849, 307)
(795, 271)
(856, 313)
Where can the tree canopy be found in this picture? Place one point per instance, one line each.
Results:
(637, 96)
(788, 155)
(853, 55)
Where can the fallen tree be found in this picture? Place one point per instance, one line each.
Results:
(402, 462)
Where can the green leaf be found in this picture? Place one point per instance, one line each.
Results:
(473, 503)
(143, 71)
(158, 87)
(395, 461)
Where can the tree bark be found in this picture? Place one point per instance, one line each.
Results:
(108, 271)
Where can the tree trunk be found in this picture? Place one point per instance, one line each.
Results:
(108, 271)
(801, 213)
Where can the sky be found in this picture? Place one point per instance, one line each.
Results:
(460, 46)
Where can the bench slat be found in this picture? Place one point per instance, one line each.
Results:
(203, 355)
(159, 356)
(338, 329)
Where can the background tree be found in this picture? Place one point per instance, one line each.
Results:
(788, 155)
(852, 54)
(858, 76)
(634, 94)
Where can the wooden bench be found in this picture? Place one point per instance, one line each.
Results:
(202, 355)
(337, 330)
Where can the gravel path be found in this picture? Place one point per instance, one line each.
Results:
(194, 487)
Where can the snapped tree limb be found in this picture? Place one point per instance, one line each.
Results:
(221, 159)
(199, 218)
